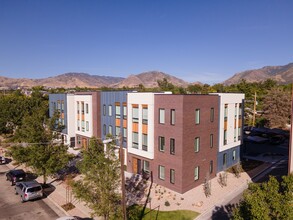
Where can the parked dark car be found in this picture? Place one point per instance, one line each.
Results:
(2, 160)
(15, 176)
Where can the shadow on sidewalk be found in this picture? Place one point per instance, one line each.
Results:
(48, 189)
(223, 212)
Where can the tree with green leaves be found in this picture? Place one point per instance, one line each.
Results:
(277, 108)
(269, 200)
(100, 181)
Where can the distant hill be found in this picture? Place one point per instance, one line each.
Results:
(282, 74)
(149, 80)
(72, 80)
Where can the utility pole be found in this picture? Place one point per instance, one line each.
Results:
(290, 160)
(122, 175)
(254, 110)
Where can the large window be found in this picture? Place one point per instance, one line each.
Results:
(78, 125)
(161, 143)
(104, 129)
(110, 129)
(196, 173)
(172, 146)
(145, 142)
(239, 133)
(197, 116)
(240, 110)
(104, 110)
(87, 108)
(82, 107)
(87, 126)
(117, 111)
(110, 110)
(135, 114)
(145, 115)
(135, 140)
(146, 166)
(235, 134)
(225, 137)
(234, 155)
(172, 176)
(124, 111)
(172, 117)
(235, 111)
(161, 172)
(211, 140)
(77, 103)
(211, 166)
(224, 159)
(117, 130)
(196, 144)
(162, 116)
(226, 112)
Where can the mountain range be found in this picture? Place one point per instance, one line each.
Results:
(282, 74)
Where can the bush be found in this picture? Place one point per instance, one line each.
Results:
(167, 203)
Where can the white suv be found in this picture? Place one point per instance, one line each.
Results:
(29, 190)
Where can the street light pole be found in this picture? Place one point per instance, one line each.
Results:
(122, 176)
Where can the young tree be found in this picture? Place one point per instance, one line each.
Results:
(271, 200)
(100, 181)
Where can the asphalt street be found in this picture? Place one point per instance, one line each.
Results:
(12, 208)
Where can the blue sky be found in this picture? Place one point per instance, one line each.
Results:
(206, 41)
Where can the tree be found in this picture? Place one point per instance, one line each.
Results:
(100, 180)
(270, 200)
(165, 85)
(277, 108)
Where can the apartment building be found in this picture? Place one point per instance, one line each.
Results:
(180, 138)
(87, 117)
(230, 129)
(64, 105)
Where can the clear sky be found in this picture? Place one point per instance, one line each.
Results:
(206, 41)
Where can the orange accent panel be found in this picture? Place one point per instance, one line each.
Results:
(124, 123)
(62, 115)
(117, 122)
(134, 105)
(235, 121)
(144, 129)
(239, 122)
(145, 106)
(135, 127)
(225, 125)
(82, 117)
(78, 117)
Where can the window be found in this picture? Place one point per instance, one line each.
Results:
(239, 133)
(58, 105)
(224, 159)
(110, 110)
(234, 155)
(146, 166)
(82, 126)
(87, 125)
(135, 114)
(172, 176)
(135, 140)
(87, 108)
(117, 130)
(196, 144)
(145, 142)
(161, 143)
(211, 140)
(124, 111)
(117, 111)
(212, 114)
(110, 129)
(172, 146)
(124, 133)
(161, 172)
(197, 116)
(77, 103)
(104, 110)
(211, 166)
(82, 107)
(62, 106)
(196, 173)
(78, 140)
(225, 137)
(78, 125)
(104, 129)
(235, 111)
(226, 112)
(172, 117)
(145, 115)
(235, 131)
(162, 116)
(240, 110)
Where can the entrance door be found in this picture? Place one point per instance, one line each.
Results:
(136, 165)
(84, 143)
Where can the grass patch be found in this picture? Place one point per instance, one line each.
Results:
(136, 213)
